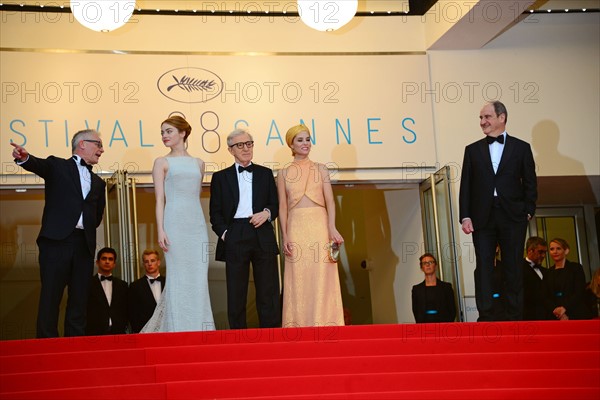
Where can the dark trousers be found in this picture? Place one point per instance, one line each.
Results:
(64, 263)
(510, 236)
(243, 248)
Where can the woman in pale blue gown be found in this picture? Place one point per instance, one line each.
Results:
(182, 235)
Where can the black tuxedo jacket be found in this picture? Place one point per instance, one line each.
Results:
(534, 302)
(224, 199)
(442, 299)
(98, 310)
(515, 182)
(64, 200)
(141, 302)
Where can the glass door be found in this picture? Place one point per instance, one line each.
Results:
(438, 228)
(121, 228)
(567, 223)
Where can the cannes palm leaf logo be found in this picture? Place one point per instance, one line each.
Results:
(191, 84)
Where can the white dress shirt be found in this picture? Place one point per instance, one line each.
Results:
(155, 287)
(244, 209)
(496, 150)
(85, 177)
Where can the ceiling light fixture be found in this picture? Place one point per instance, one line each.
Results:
(327, 15)
(102, 16)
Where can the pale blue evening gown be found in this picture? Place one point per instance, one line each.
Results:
(185, 302)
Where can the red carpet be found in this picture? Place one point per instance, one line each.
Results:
(527, 360)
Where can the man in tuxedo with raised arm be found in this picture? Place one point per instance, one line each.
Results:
(73, 209)
(498, 191)
(243, 205)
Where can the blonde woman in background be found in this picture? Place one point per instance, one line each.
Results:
(564, 283)
(311, 288)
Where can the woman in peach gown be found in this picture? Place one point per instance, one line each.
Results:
(311, 287)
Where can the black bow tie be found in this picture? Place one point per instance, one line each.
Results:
(152, 280)
(536, 266)
(491, 139)
(82, 162)
(105, 278)
(249, 168)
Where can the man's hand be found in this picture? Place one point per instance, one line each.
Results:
(467, 226)
(259, 218)
(19, 153)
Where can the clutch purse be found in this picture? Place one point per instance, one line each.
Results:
(333, 251)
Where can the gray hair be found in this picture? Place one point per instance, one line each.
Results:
(500, 109)
(81, 135)
(535, 241)
(236, 133)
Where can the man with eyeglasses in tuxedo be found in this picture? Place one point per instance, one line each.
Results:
(243, 205)
(73, 209)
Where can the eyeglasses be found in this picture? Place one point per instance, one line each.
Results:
(249, 144)
(428, 263)
(98, 142)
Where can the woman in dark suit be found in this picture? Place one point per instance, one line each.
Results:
(564, 284)
(432, 299)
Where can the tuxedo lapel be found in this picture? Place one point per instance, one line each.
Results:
(484, 150)
(255, 184)
(74, 172)
(100, 291)
(148, 292)
(95, 183)
(509, 147)
(232, 181)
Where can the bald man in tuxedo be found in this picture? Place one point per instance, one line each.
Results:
(498, 192)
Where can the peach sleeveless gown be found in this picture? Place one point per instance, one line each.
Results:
(311, 287)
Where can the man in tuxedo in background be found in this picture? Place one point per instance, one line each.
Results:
(107, 301)
(533, 281)
(74, 205)
(498, 191)
(243, 204)
(145, 292)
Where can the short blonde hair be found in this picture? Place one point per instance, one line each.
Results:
(149, 252)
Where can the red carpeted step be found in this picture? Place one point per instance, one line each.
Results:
(71, 361)
(272, 335)
(441, 345)
(108, 391)
(246, 351)
(64, 379)
(376, 364)
(296, 367)
(391, 382)
(520, 383)
(472, 394)
(458, 360)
